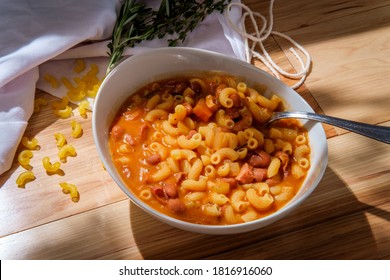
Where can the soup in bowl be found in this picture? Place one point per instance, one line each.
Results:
(183, 133)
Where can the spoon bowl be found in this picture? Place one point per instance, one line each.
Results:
(380, 133)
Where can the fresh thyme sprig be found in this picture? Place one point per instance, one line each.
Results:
(136, 23)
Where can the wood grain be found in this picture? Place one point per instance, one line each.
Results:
(341, 213)
(350, 63)
(42, 200)
(346, 217)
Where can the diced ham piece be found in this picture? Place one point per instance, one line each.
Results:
(196, 87)
(117, 132)
(261, 159)
(176, 206)
(232, 113)
(241, 125)
(246, 174)
(273, 181)
(160, 194)
(231, 181)
(132, 114)
(179, 176)
(180, 87)
(259, 174)
(170, 190)
(165, 193)
(129, 139)
(236, 100)
(143, 131)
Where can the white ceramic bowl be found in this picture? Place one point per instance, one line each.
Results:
(156, 64)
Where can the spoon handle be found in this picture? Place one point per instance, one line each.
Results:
(380, 133)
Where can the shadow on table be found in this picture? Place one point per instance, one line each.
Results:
(330, 224)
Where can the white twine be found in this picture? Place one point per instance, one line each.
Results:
(260, 35)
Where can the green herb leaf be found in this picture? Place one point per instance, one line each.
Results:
(136, 23)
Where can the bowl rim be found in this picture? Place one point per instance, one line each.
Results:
(185, 225)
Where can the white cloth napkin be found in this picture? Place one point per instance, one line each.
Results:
(39, 37)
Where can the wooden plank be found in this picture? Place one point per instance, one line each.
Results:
(78, 237)
(347, 237)
(350, 70)
(347, 216)
(341, 206)
(295, 15)
(42, 201)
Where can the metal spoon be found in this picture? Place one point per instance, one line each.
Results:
(380, 133)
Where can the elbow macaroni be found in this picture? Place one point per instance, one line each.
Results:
(205, 161)
(30, 144)
(71, 190)
(49, 167)
(60, 139)
(24, 178)
(38, 102)
(24, 158)
(66, 151)
(64, 113)
(77, 130)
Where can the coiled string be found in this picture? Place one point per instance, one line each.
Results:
(260, 35)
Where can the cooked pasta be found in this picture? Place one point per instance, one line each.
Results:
(206, 156)
(146, 195)
(212, 210)
(162, 173)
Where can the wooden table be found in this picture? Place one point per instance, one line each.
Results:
(347, 216)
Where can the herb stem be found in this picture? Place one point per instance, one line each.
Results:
(136, 23)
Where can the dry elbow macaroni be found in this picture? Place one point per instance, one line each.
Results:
(61, 104)
(83, 107)
(71, 190)
(30, 144)
(77, 130)
(63, 113)
(79, 66)
(51, 80)
(66, 151)
(24, 178)
(49, 167)
(38, 103)
(60, 139)
(218, 168)
(78, 89)
(24, 158)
